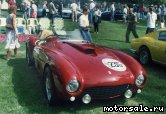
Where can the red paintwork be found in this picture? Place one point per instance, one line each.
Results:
(70, 61)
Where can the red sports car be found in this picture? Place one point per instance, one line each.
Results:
(72, 68)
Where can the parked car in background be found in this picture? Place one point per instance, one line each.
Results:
(118, 14)
(67, 13)
(151, 47)
(106, 15)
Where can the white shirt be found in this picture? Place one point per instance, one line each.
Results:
(44, 6)
(73, 6)
(162, 25)
(151, 20)
(34, 7)
(97, 12)
(125, 10)
(92, 5)
(113, 7)
(83, 20)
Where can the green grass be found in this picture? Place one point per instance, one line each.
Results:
(21, 91)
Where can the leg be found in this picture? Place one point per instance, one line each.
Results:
(15, 52)
(134, 32)
(8, 54)
(147, 30)
(83, 34)
(127, 35)
(88, 36)
(76, 16)
(97, 27)
(91, 17)
(151, 30)
(51, 19)
(73, 16)
(112, 16)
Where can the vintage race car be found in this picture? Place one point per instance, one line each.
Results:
(72, 68)
(151, 47)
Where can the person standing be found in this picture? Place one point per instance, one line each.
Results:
(11, 32)
(92, 6)
(27, 9)
(44, 8)
(52, 12)
(132, 20)
(11, 3)
(112, 11)
(84, 25)
(74, 11)
(22, 7)
(34, 10)
(60, 8)
(151, 21)
(162, 23)
(125, 12)
(96, 19)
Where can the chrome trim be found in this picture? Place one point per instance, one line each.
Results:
(159, 62)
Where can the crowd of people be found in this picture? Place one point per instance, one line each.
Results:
(90, 18)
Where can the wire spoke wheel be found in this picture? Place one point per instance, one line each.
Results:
(48, 86)
(144, 56)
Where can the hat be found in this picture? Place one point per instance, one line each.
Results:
(91, 0)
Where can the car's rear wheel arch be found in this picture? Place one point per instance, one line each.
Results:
(144, 49)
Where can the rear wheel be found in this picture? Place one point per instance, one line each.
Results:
(49, 87)
(144, 56)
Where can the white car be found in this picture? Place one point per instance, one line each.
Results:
(67, 13)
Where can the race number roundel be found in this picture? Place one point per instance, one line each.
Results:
(114, 64)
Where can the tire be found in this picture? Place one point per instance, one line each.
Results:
(28, 58)
(144, 56)
(49, 87)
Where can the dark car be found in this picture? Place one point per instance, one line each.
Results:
(118, 15)
(106, 15)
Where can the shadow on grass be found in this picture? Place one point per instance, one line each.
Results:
(27, 87)
(2, 56)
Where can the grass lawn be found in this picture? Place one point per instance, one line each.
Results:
(21, 91)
